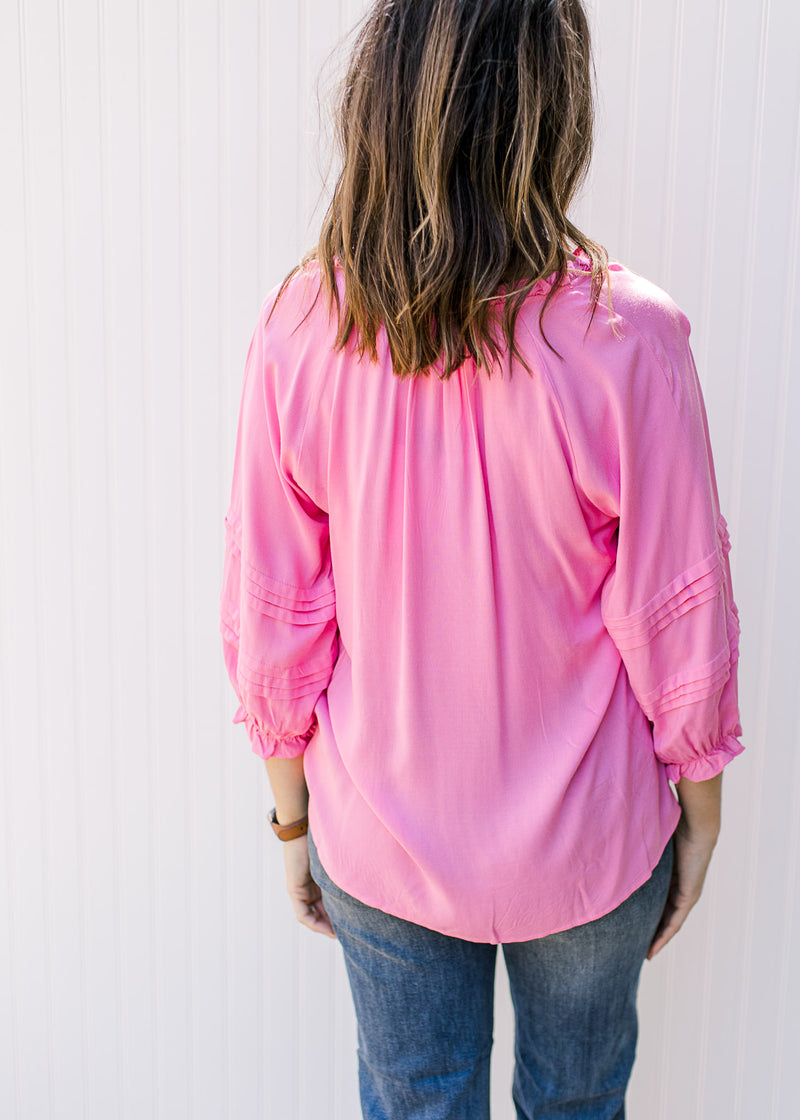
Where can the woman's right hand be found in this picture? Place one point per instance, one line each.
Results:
(692, 855)
(695, 839)
(304, 893)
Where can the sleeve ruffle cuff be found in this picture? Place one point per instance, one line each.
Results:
(267, 745)
(707, 766)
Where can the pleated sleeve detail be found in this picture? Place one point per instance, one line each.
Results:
(668, 601)
(277, 606)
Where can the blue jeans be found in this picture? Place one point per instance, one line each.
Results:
(424, 1004)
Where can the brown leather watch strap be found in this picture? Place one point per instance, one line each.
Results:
(288, 831)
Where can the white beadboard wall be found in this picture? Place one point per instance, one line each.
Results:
(160, 172)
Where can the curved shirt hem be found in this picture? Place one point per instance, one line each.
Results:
(499, 933)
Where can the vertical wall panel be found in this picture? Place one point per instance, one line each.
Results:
(29, 982)
(163, 169)
(784, 719)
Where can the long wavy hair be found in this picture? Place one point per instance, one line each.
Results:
(465, 128)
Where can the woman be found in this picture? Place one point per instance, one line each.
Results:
(477, 605)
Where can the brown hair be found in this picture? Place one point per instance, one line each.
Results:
(465, 128)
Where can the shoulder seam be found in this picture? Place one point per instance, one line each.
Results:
(655, 356)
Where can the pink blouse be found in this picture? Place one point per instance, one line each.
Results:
(494, 612)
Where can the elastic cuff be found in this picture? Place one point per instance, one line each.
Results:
(267, 745)
(708, 766)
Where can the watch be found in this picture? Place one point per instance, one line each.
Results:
(288, 831)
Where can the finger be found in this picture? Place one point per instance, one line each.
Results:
(313, 916)
(323, 913)
(668, 930)
(310, 911)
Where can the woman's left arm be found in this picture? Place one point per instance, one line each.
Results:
(278, 601)
(289, 789)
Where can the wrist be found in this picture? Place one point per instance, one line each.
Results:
(703, 832)
(286, 815)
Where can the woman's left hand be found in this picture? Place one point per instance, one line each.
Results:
(304, 894)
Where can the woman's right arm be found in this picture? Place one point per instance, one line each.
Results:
(695, 839)
(638, 432)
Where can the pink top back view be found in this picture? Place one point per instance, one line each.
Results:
(494, 612)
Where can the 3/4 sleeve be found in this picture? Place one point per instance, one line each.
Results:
(278, 603)
(668, 601)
